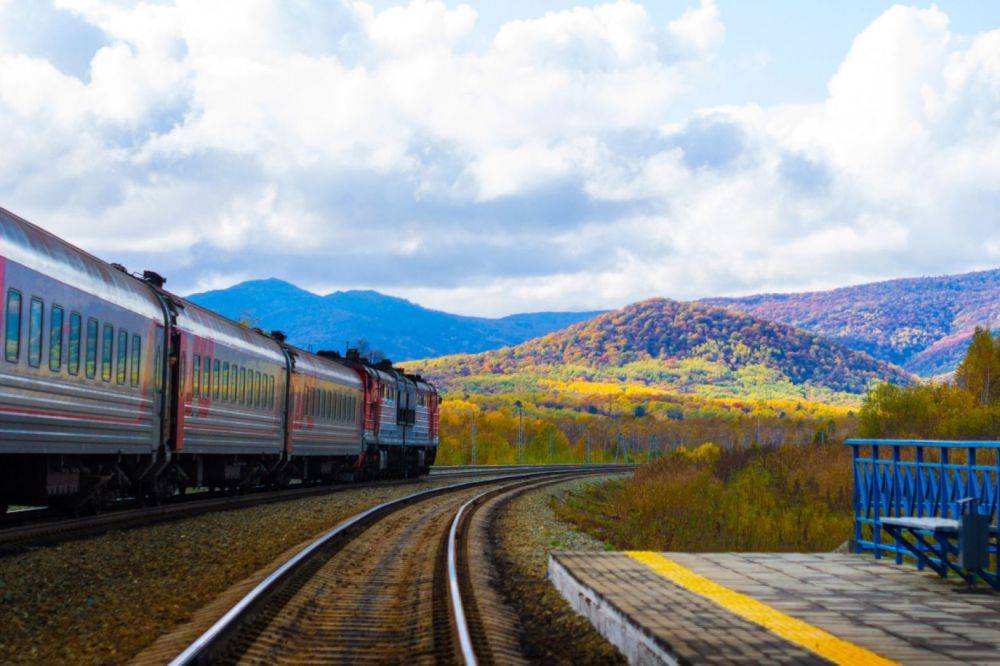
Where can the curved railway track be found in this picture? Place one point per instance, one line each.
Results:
(405, 581)
(40, 526)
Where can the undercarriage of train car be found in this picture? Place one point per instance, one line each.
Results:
(80, 483)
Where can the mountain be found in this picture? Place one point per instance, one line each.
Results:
(396, 327)
(922, 324)
(677, 346)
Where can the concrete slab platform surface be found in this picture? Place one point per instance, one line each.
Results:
(742, 608)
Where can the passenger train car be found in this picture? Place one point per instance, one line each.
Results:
(110, 385)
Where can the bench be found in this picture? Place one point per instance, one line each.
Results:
(966, 540)
(937, 510)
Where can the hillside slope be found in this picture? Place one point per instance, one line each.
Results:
(922, 324)
(682, 347)
(398, 328)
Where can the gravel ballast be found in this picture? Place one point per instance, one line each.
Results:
(526, 531)
(104, 599)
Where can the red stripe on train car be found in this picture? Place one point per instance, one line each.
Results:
(68, 416)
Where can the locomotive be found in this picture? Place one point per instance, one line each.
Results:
(112, 386)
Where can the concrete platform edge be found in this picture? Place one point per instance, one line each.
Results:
(618, 628)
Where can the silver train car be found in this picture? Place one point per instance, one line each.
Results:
(112, 386)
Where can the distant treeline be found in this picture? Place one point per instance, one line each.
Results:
(968, 408)
(484, 430)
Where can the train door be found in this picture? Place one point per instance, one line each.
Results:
(176, 362)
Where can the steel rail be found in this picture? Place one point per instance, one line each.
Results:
(454, 593)
(465, 642)
(209, 644)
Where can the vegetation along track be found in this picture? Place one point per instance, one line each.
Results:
(377, 589)
(37, 527)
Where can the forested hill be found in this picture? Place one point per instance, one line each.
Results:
(680, 346)
(923, 324)
(394, 326)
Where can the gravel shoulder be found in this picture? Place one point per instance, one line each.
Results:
(105, 599)
(526, 530)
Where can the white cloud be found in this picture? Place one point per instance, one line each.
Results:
(699, 30)
(542, 167)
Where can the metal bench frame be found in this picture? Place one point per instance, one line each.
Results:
(918, 503)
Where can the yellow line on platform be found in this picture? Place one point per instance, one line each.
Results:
(791, 629)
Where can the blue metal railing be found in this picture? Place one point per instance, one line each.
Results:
(920, 478)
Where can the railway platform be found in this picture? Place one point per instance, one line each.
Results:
(777, 608)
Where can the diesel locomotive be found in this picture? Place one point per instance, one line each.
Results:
(112, 386)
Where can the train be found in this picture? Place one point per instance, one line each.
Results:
(111, 386)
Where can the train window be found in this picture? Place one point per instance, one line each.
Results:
(270, 383)
(12, 343)
(256, 390)
(35, 321)
(206, 378)
(196, 376)
(91, 369)
(55, 338)
(225, 381)
(243, 386)
(215, 380)
(234, 396)
(73, 362)
(107, 343)
(122, 356)
(136, 359)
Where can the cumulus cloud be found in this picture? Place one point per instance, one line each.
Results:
(339, 145)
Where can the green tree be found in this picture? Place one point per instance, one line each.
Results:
(979, 372)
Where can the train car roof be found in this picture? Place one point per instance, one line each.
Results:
(34, 247)
(204, 323)
(307, 362)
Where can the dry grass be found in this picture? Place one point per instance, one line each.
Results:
(788, 498)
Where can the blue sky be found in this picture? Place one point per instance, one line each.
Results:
(489, 158)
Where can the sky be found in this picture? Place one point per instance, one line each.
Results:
(499, 157)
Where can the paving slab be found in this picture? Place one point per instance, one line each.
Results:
(795, 608)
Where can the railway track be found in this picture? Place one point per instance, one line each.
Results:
(38, 527)
(405, 581)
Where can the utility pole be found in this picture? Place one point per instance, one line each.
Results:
(618, 446)
(473, 446)
(520, 431)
